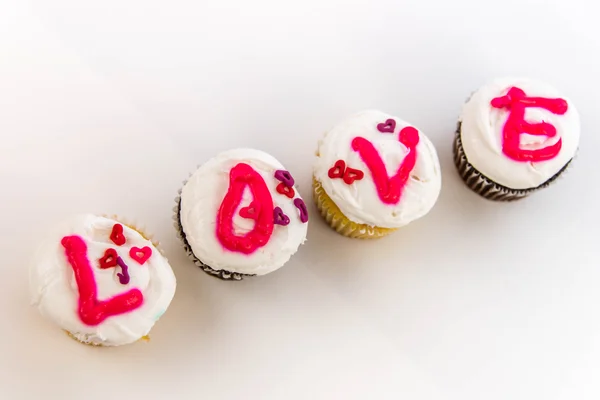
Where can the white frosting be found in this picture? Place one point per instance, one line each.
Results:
(359, 201)
(201, 198)
(481, 135)
(54, 288)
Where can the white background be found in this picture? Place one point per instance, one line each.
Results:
(106, 106)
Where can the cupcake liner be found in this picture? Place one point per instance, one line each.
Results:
(82, 338)
(339, 222)
(484, 186)
(221, 273)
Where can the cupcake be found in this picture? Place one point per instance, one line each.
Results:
(240, 215)
(374, 174)
(514, 137)
(101, 281)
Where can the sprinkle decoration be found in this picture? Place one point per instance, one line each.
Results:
(352, 175)
(140, 255)
(347, 174)
(109, 259)
(338, 169)
(389, 188)
(92, 311)
(388, 126)
(124, 274)
(284, 177)
(286, 190)
(299, 203)
(117, 236)
(240, 177)
(250, 212)
(517, 102)
(279, 217)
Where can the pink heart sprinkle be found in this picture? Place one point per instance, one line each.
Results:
(250, 212)
(140, 255)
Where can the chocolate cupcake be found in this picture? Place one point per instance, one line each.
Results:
(240, 214)
(514, 137)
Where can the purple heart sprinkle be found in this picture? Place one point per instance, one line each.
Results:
(124, 276)
(285, 177)
(388, 126)
(279, 217)
(299, 203)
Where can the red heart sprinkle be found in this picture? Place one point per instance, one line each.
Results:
(388, 126)
(338, 169)
(286, 190)
(352, 175)
(140, 255)
(117, 235)
(109, 259)
(250, 212)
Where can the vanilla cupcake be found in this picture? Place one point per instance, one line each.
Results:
(514, 137)
(101, 281)
(240, 214)
(374, 174)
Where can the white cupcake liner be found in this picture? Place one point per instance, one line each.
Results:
(484, 186)
(221, 273)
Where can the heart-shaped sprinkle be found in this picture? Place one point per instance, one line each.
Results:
(109, 259)
(286, 190)
(352, 175)
(140, 255)
(279, 217)
(117, 236)
(338, 169)
(124, 274)
(284, 177)
(250, 212)
(299, 203)
(388, 126)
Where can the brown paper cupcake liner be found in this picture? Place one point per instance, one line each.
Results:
(484, 186)
(217, 273)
